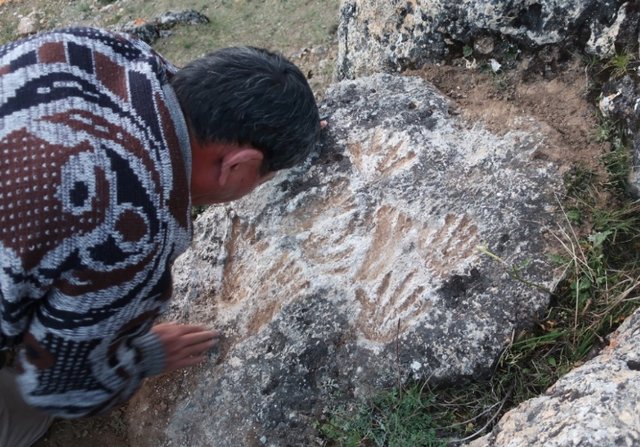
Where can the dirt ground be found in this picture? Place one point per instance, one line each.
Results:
(505, 101)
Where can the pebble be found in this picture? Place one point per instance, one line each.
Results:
(26, 26)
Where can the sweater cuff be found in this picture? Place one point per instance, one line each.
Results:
(153, 358)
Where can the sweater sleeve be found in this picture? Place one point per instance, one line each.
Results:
(80, 361)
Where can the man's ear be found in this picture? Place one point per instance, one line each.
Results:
(240, 158)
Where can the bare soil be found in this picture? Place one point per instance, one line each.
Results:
(506, 101)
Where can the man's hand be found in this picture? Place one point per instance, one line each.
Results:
(184, 344)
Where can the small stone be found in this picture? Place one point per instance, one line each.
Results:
(484, 45)
(495, 65)
(319, 51)
(26, 26)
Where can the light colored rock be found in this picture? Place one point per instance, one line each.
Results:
(595, 405)
(26, 26)
(603, 38)
(362, 269)
(383, 36)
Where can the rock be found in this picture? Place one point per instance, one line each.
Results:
(26, 26)
(344, 276)
(620, 102)
(597, 404)
(484, 45)
(603, 38)
(376, 36)
(145, 31)
(152, 30)
(188, 17)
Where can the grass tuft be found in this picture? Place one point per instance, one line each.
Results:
(395, 418)
(620, 65)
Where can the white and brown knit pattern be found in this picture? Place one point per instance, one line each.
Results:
(94, 208)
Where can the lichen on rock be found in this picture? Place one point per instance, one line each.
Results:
(376, 36)
(596, 404)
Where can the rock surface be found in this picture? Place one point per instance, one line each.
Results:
(597, 404)
(620, 102)
(382, 36)
(152, 30)
(26, 26)
(339, 279)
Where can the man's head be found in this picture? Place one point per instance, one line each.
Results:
(250, 105)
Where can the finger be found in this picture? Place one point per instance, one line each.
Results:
(186, 329)
(183, 329)
(195, 350)
(198, 337)
(172, 331)
(180, 327)
(201, 339)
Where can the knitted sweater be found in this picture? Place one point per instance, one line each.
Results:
(94, 208)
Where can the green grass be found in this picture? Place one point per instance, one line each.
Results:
(395, 418)
(282, 25)
(620, 64)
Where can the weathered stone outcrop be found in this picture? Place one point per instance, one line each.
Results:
(597, 404)
(620, 103)
(338, 279)
(388, 36)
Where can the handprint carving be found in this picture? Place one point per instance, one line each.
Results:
(329, 224)
(382, 154)
(392, 292)
(451, 244)
(389, 300)
(253, 294)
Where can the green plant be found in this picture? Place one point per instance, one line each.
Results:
(619, 64)
(591, 61)
(84, 8)
(605, 130)
(617, 161)
(578, 182)
(395, 418)
(467, 51)
(618, 164)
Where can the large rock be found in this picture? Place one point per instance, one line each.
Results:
(595, 405)
(363, 269)
(391, 35)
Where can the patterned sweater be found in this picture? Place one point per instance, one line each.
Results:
(94, 208)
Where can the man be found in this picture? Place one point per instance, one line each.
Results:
(104, 148)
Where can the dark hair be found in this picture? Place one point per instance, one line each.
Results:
(249, 95)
